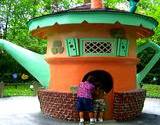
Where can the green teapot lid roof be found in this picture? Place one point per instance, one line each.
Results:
(83, 13)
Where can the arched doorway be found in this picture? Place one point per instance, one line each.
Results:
(103, 77)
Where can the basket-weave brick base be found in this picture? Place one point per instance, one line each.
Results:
(58, 105)
(128, 105)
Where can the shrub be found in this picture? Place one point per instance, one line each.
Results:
(152, 90)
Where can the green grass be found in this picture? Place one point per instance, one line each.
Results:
(153, 91)
(25, 90)
(20, 90)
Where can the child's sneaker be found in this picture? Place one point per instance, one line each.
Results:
(81, 123)
(100, 119)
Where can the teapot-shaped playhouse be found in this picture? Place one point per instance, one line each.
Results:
(84, 40)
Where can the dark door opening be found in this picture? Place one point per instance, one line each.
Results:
(103, 77)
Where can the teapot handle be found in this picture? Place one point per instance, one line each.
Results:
(142, 74)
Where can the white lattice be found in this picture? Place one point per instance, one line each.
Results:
(97, 47)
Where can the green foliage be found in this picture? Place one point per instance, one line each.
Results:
(153, 76)
(152, 90)
(9, 66)
(21, 89)
(151, 8)
(13, 15)
(112, 3)
(145, 57)
(18, 90)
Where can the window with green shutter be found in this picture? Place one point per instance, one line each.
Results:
(122, 47)
(97, 47)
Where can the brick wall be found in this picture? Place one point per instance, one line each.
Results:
(128, 105)
(58, 105)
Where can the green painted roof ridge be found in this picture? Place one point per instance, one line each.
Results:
(71, 12)
(152, 23)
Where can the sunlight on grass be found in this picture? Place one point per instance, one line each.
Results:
(18, 90)
(152, 90)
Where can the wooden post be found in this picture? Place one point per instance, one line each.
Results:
(36, 87)
(1, 31)
(1, 89)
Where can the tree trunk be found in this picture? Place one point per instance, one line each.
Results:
(1, 89)
(7, 21)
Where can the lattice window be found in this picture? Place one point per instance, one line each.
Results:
(98, 47)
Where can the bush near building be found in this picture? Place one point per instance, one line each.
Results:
(153, 91)
(21, 89)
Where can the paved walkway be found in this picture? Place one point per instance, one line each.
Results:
(26, 111)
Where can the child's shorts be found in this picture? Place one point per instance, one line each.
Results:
(84, 104)
(99, 105)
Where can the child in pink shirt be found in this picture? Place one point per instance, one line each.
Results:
(85, 99)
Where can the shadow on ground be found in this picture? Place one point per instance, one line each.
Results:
(26, 111)
(40, 119)
(143, 119)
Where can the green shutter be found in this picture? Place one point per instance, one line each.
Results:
(122, 47)
(72, 46)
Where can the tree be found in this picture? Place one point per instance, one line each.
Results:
(13, 16)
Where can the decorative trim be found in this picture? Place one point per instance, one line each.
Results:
(72, 47)
(122, 47)
(99, 17)
(93, 59)
(57, 47)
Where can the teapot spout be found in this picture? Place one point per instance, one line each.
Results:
(33, 62)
